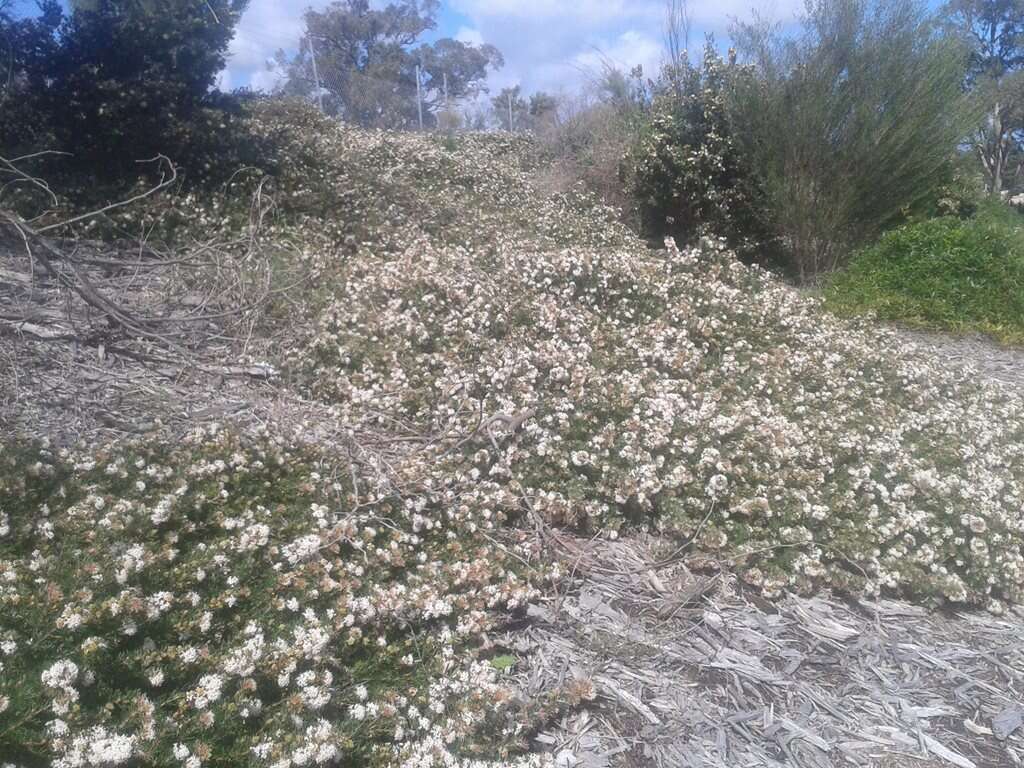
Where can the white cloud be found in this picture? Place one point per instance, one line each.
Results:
(266, 27)
(547, 44)
(470, 36)
(555, 45)
(589, 11)
(717, 14)
(266, 79)
(630, 49)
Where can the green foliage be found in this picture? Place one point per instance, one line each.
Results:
(115, 82)
(850, 123)
(26, 47)
(943, 273)
(687, 173)
(503, 663)
(961, 196)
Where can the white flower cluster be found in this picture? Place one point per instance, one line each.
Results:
(257, 620)
(97, 748)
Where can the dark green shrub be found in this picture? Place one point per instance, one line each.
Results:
(687, 172)
(850, 123)
(115, 82)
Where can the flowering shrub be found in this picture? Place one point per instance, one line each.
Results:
(687, 172)
(246, 602)
(671, 386)
(230, 603)
(664, 385)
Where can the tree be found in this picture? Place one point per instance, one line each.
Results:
(511, 109)
(851, 122)
(26, 45)
(366, 63)
(543, 110)
(117, 81)
(621, 90)
(994, 32)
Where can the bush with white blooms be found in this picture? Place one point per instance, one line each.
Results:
(239, 600)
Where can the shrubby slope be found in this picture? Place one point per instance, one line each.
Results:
(662, 387)
(521, 361)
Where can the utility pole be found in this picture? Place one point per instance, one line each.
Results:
(316, 76)
(419, 96)
(511, 126)
(446, 105)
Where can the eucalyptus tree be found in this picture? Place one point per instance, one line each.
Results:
(994, 32)
(373, 68)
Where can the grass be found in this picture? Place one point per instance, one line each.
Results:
(942, 274)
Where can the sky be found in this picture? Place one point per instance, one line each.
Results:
(551, 45)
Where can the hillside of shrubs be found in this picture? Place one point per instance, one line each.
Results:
(865, 146)
(502, 362)
(239, 598)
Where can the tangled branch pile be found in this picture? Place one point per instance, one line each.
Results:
(499, 363)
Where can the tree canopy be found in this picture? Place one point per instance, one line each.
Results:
(117, 81)
(994, 32)
(366, 62)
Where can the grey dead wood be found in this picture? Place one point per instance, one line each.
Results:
(817, 682)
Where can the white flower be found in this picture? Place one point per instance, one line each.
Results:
(61, 675)
(207, 692)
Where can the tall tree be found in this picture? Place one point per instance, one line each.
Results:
(27, 46)
(994, 31)
(123, 80)
(366, 61)
(510, 109)
(850, 122)
(543, 109)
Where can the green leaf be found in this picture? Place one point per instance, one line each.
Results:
(503, 663)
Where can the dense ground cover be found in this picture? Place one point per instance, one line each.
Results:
(943, 273)
(236, 603)
(245, 600)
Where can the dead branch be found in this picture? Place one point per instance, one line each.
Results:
(164, 183)
(9, 166)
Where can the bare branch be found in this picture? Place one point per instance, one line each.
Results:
(10, 167)
(677, 30)
(164, 183)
